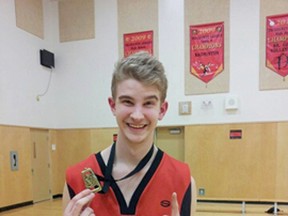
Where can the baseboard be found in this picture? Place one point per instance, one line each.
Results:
(239, 202)
(56, 196)
(18, 205)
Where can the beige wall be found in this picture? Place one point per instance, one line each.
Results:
(74, 146)
(15, 186)
(252, 168)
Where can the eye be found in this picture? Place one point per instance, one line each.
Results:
(127, 102)
(149, 103)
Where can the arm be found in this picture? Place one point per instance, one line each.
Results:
(194, 196)
(66, 197)
(78, 205)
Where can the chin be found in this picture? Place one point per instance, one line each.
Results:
(137, 139)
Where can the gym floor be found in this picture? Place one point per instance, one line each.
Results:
(54, 207)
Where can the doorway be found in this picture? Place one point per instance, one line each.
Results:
(40, 165)
(171, 141)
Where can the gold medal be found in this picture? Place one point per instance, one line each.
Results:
(91, 181)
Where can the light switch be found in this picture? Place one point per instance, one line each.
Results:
(53, 147)
(185, 108)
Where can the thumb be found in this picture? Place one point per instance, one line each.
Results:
(175, 206)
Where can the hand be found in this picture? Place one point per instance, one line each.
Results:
(175, 206)
(79, 205)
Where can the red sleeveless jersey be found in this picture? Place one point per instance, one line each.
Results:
(153, 195)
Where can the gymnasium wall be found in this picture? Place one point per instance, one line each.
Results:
(22, 76)
(15, 186)
(80, 83)
(72, 146)
(253, 168)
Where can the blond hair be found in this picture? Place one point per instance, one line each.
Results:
(142, 67)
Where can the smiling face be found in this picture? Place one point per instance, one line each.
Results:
(137, 109)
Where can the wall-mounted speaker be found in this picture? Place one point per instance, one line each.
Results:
(47, 58)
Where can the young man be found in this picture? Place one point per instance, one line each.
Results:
(136, 178)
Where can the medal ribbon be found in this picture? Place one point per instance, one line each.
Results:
(108, 172)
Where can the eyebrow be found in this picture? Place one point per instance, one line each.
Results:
(150, 97)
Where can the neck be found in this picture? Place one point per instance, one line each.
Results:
(131, 153)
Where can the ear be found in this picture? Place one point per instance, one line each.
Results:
(163, 110)
(112, 105)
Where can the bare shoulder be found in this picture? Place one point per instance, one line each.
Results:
(106, 153)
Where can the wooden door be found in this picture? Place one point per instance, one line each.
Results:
(40, 165)
(170, 141)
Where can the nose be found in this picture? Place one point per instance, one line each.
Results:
(137, 114)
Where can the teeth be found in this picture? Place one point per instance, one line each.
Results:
(136, 126)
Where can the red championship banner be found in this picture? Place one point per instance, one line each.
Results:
(207, 50)
(277, 44)
(139, 41)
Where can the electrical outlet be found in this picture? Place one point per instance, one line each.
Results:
(201, 192)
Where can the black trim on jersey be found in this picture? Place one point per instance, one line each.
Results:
(186, 203)
(71, 191)
(131, 208)
(108, 172)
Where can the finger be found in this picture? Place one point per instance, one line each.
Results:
(82, 194)
(175, 206)
(82, 204)
(76, 198)
(88, 212)
(79, 202)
